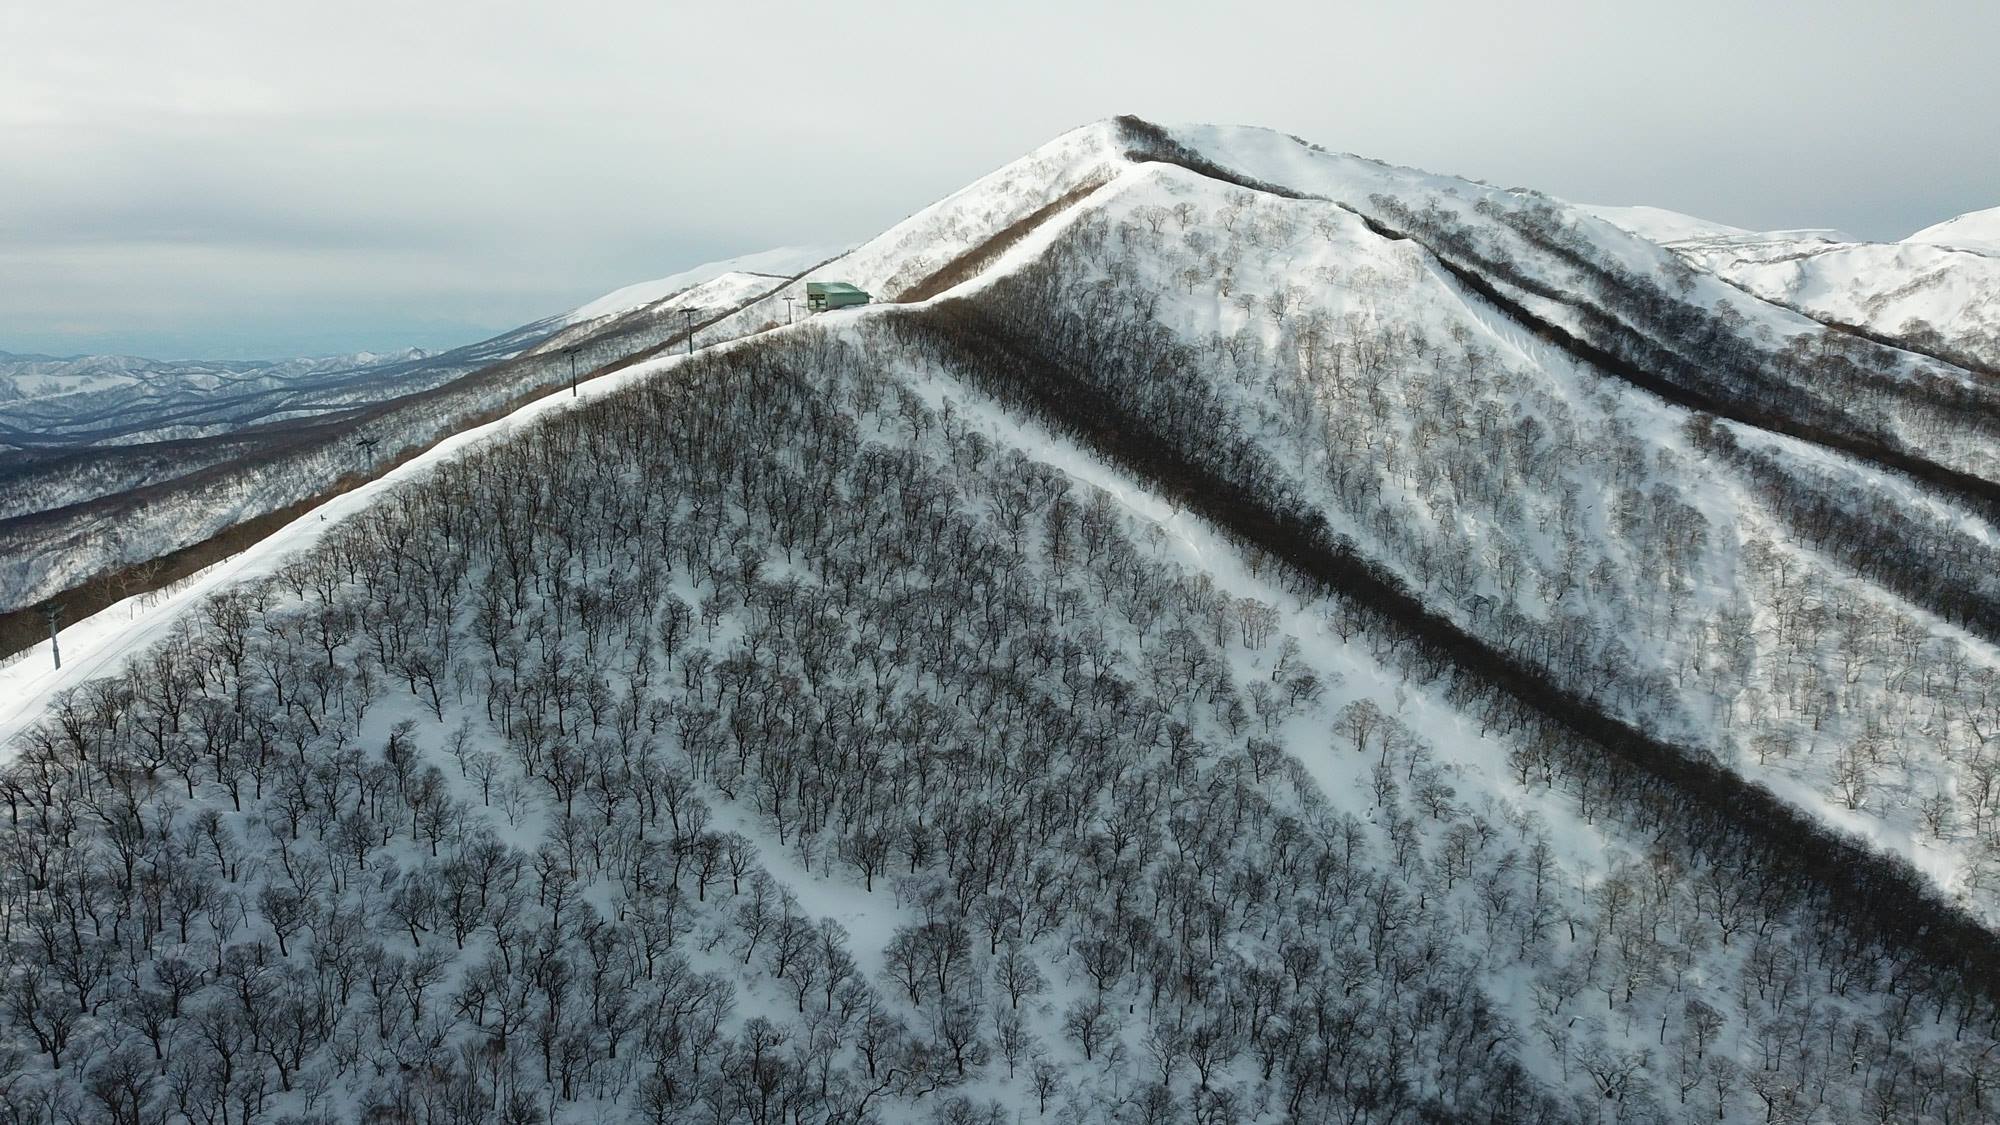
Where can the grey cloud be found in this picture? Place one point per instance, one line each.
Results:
(230, 179)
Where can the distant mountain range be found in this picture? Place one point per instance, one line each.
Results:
(93, 400)
(118, 461)
(49, 401)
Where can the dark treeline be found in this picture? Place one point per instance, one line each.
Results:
(472, 814)
(1832, 388)
(1117, 385)
(1826, 388)
(1932, 564)
(776, 742)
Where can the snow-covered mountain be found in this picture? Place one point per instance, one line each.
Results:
(46, 399)
(1664, 226)
(119, 463)
(1938, 289)
(783, 262)
(49, 402)
(1237, 632)
(1975, 230)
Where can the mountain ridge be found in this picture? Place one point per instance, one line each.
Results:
(1930, 292)
(1238, 641)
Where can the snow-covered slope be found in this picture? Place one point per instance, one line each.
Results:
(1236, 633)
(155, 457)
(98, 645)
(1657, 224)
(1938, 289)
(1974, 230)
(958, 227)
(783, 261)
(1662, 225)
(1309, 266)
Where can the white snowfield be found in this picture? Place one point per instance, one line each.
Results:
(782, 261)
(724, 291)
(1974, 230)
(1938, 287)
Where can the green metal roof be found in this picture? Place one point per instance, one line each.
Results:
(830, 288)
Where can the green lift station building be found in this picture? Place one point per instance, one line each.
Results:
(824, 295)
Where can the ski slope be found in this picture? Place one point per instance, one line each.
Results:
(99, 644)
(782, 261)
(1938, 289)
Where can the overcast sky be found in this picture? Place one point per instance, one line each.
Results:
(273, 178)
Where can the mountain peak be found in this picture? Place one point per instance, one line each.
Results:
(1662, 225)
(1974, 230)
(1230, 625)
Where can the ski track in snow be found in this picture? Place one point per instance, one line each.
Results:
(100, 644)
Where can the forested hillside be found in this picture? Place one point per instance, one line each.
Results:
(1937, 291)
(1256, 636)
(85, 525)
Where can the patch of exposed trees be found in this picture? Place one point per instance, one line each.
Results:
(458, 817)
